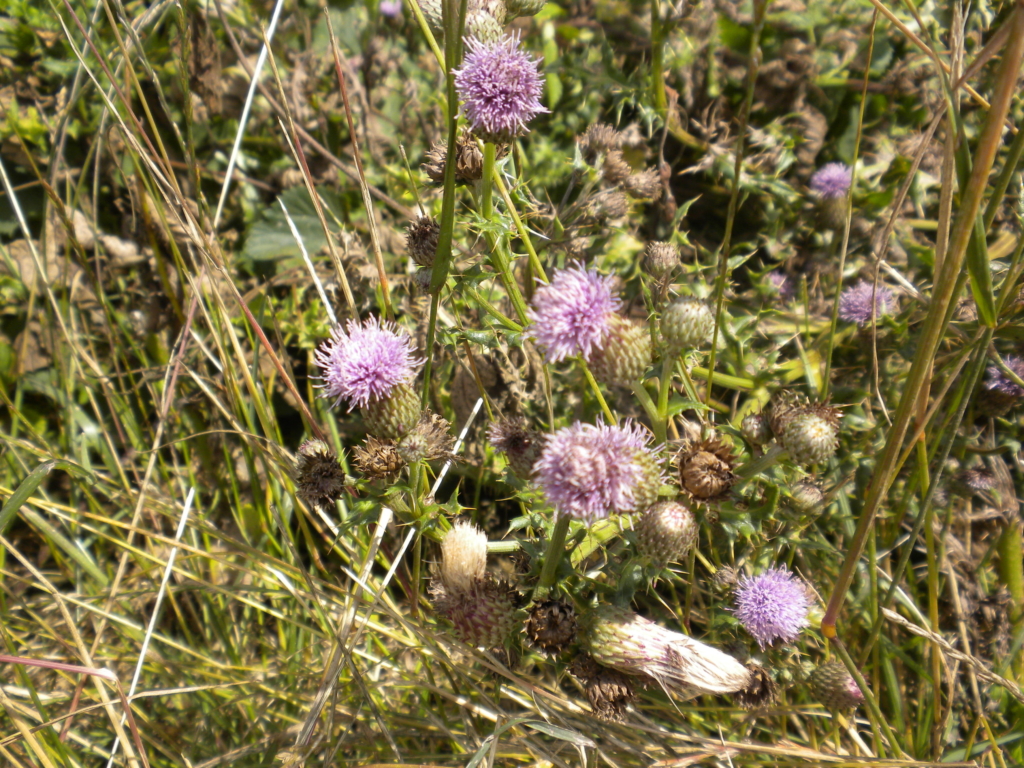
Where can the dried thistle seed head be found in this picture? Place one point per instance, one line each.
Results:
(645, 185)
(687, 323)
(469, 160)
(666, 532)
(724, 578)
(428, 440)
(761, 692)
(705, 468)
(633, 645)
(609, 692)
(810, 438)
(421, 240)
(520, 444)
(463, 558)
(551, 626)
(599, 139)
(755, 429)
(783, 407)
(1000, 393)
(319, 480)
(832, 685)
(378, 459)
(969, 482)
(610, 204)
(393, 416)
(660, 258)
(483, 616)
(806, 497)
(625, 354)
(615, 169)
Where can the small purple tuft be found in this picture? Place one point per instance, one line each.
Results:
(832, 180)
(571, 315)
(855, 302)
(365, 364)
(591, 471)
(500, 87)
(1000, 382)
(781, 284)
(392, 9)
(772, 606)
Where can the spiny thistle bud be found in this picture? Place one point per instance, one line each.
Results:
(666, 532)
(625, 354)
(783, 407)
(608, 691)
(499, 86)
(810, 437)
(599, 139)
(772, 606)
(592, 471)
(421, 240)
(832, 685)
(806, 497)
(484, 18)
(755, 429)
(551, 626)
(661, 258)
(831, 183)
(394, 415)
(378, 460)
(610, 204)
(762, 691)
(428, 440)
(320, 480)
(1000, 393)
(517, 8)
(645, 185)
(480, 608)
(622, 640)
(521, 445)
(687, 323)
(705, 468)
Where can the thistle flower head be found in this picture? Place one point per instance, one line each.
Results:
(390, 8)
(832, 180)
(855, 304)
(463, 557)
(591, 471)
(500, 88)
(1000, 382)
(520, 444)
(780, 283)
(832, 685)
(572, 314)
(772, 606)
(365, 363)
(320, 480)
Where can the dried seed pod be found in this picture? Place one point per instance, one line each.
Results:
(610, 204)
(661, 258)
(599, 139)
(551, 626)
(378, 459)
(705, 468)
(320, 480)
(521, 445)
(615, 169)
(609, 692)
(761, 692)
(645, 185)
(421, 240)
(430, 439)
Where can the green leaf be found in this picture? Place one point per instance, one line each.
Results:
(981, 275)
(22, 492)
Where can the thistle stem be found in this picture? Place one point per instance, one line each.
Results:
(597, 392)
(658, 61)
(552, 558)
(752, 469)
(657, 423)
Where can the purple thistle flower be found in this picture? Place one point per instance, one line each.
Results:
(500, 88)
(832, 180)
(572, 314)
(772, 606)
(390, 8)
(781, 283)
(855, 302)
(591, 471)
(365, 364)
(1000, 382)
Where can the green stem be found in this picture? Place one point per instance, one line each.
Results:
(1011, 569)
(524, 233)
(658, 61)
(597, 392)
(552, 558)
(724, 379)
(752, 469)
(878, 721)
(664, 388)
(487, 184)
(657, 424)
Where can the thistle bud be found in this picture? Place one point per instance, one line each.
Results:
(320, 480)
(633, 645)
(755, 429)
(428, 440)
(608, 691)
(661, 258)
(378, 459)
(551, 626)
(810, 438)
(832, 685)
(686, 324)
(625, 354)
(666, 532)
(645, 185)
(517, 8)
(521, 445)
(421, 240)
(806, 497)
(599, 139)
(394, 415)
(705, 468)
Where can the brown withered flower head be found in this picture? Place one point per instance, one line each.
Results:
(705, 468)
(319, 478)
(378, 459)
(430, 439)
(551, 626)
(520, 444)
(761, 692)
(645, 185)
(599, 139)
(609, 692)
(421, 240)
(469, 160)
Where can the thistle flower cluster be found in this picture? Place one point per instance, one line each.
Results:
(772, 606)
(865, 302)
(831, 184)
